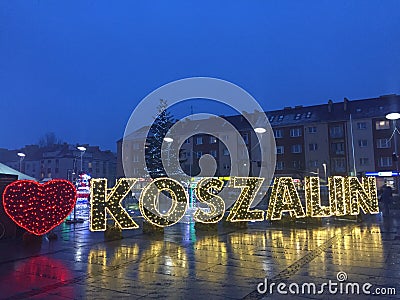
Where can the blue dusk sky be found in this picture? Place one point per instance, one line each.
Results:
(79, 68)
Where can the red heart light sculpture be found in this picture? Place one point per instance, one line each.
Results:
(36, 207)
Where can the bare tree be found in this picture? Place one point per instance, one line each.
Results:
(49, 139)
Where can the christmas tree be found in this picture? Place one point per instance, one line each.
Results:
(163, 121)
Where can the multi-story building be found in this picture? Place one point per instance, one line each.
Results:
(61, 161)
(345, 138)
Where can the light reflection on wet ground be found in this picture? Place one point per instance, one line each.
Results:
(185, 264)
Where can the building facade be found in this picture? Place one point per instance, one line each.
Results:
(352, 137)
(62, 161)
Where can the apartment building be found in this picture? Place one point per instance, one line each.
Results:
(351, 137)
(61, 161)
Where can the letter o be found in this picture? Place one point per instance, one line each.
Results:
(149, 198)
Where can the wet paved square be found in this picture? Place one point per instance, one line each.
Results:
(184, 263)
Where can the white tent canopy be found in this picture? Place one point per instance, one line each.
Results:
(10, 171)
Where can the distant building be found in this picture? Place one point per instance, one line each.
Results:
(345, 138)
(61, 161)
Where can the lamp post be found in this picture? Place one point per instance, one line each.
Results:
(21, 158)
(394, 117)
(75, 219)
(324, 165)
(83, 150)
(260, 131)
(168, 140)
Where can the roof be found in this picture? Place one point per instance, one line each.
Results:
(10, 171)
(339, 111)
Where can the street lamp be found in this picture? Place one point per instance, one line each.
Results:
(21, 158)
(168, 140)
(260, 130)
(75, 219)
(324, 165)
(394, 117)
(83, 150)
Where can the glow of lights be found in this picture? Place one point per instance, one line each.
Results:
(38, 208)
(204, 193)
(337, 201)
(284, 198)
(240, 211)
(149, 199)
(260, 130)
(103, 202)
(168, 139)
(361, 195)
(393, 116)
(313, 199)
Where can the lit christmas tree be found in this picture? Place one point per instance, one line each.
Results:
(158, 130)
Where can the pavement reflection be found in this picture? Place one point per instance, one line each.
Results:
(187, 264)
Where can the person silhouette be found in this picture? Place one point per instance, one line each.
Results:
(386, 198)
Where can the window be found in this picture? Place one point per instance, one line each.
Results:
(313, 163)
(280, 118)
(361, 125)
(187, 141)
(199, 140)
(362, 143)
(278, 133)
(226, 137)
(213, 139)
(338, 148)
(312, 129)
(280, 165)
(339, 164)
(89, 165)
(308, 115)
(364, 161)
(225, 152)
(358, 109)
(135, 171)
(280, 149)
(297, 117)
(245, 138)
(135, 158)
(313, 147)
(383, 143)
(296, 148)
(271, 118)
(199, 154)
(381, 125)
(296, 164)
(135, 146)
(336, 131)
(385, 161)
(213, 153)
(295, 132)
(226, 166)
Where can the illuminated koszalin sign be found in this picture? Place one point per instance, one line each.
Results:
(347, 195)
